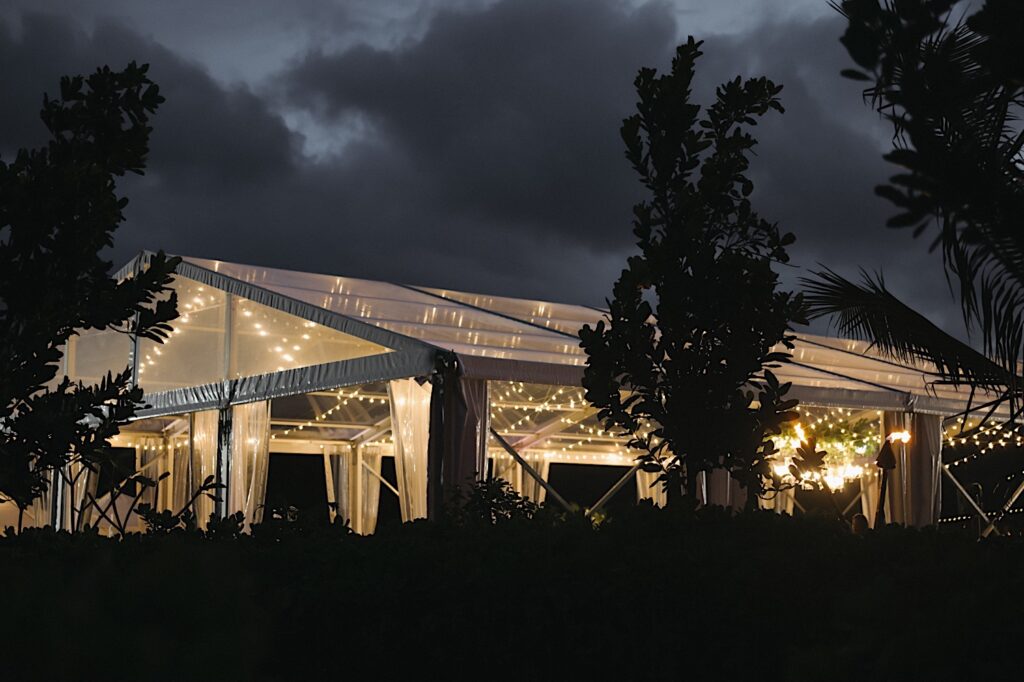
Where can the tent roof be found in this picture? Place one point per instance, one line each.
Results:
(513, 339)
(528, 340)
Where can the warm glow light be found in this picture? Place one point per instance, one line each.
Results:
(902, 436)
(834, 480)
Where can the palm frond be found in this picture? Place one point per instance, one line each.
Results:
(945, 85)
(868, 311)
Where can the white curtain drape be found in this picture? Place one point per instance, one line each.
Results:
(723, 490)
(504, 467)
(648, 488)
(203, 460)
(780, 503)
(410, 425)
(870, 487)
(371, 458)
(356, 489)
(250, 459)
(336, 458)
(149, 454)
(181, 474)
(471, 436)
(531, 487)
(523, 483)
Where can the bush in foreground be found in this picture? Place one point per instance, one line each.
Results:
(530, 595)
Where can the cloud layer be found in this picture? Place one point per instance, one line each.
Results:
(478, 151)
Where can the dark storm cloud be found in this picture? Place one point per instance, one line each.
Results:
(209, 140)
(817, 165)
(203, 133)
(510, 115)
(483, 154)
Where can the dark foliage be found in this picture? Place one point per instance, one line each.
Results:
(59, 209)
(792, 599)
(953, 90)
(697, 316)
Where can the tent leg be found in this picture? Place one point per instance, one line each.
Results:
(530, 470)
(970, 500)
(223, 463)
(332, 504)
(626, 478)
(1006, 507)
(854, 501)
(382, 480)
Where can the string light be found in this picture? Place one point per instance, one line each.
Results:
(198, 304)
(991, 515)
(998, 436)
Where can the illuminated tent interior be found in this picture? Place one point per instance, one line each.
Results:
(268, 362)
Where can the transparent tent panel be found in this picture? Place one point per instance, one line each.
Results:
(92, 353)
(447, 320)
(267, 340)
(412, 312)
(563, 317)
(194, 352)
(262, 340)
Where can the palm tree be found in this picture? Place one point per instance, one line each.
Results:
(953, 89)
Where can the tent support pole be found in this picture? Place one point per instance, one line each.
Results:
(614, 489)
(332, 503)
(1006, 507)
(383, 480)
(223, 462)
(854, 501)
(970, 500)
(530, 470)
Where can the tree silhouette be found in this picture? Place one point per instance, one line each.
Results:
(59, 209)
(953, 91)
(697, 316)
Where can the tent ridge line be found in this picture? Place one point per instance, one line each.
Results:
(884, 361)
(481, 309)
(848, 378)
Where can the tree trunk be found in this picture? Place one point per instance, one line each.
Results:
(752, 497)
(691, 487)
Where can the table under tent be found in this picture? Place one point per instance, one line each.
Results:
(449, 386)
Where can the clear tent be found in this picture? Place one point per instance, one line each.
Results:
(328, 354)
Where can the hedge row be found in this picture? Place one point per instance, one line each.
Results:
(649, 594)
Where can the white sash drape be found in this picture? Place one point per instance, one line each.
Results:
(410, 425)
(250, 459)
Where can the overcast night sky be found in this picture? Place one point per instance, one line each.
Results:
(456, 143)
